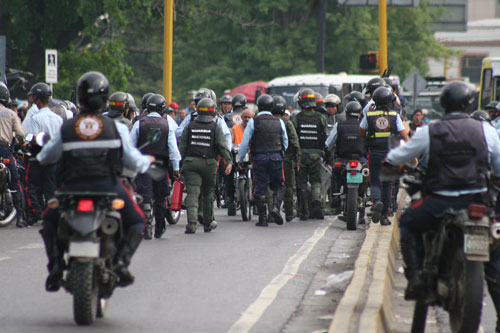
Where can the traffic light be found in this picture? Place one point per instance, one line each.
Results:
(368, 61)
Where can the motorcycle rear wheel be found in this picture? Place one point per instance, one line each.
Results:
(7, 210)
(352, 208)
(245, 207)
(465, 316)
(85, 292)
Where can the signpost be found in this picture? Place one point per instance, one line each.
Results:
(51, 66)
(416, 83)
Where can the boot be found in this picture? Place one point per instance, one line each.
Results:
(148, 229)
(56, 262)
(260, 202)
(377, 211)
(19, 205)
(303, 206)
(231, 207)
(494, 290)
(316, 211)
(411, 250)
(160, 225)
(122, 260)
(190, 228)
(210, 226)
(278, 196)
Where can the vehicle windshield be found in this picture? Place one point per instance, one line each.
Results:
(429, 102)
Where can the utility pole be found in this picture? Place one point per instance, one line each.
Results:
(382, 34)
(168, 38)
(321, 42)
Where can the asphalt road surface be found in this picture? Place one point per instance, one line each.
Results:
(237, 278)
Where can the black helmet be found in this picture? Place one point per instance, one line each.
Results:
(157, 103)
(391, 84)
(481, 115)
(355, 96)
(279, 105)
(265, 103)
(353, 109)
(118, 101)
(239, 101)
(144, 101)
(92, 90)
(383, 96)
(456, 96)
(40, 90)
(202, 93)
(226, 99)
(4, 94)
(373, 84)
(206, 107)
(492, 105)
(307, 98)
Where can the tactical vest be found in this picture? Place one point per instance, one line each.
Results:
(92, 147)
(458, 155)
(350, 143)
(201, 139)
(381, 125)
(310, 131)
(267, 134)
(149, 127)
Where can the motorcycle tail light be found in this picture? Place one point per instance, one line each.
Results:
(85, 205)
(5, 161)
(337, 165)
(353, 172)
(353, 164)
(53, 203)
(117, 204)
(477, 211)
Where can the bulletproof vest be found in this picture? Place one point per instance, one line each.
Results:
(201, 139)
(150, 127)
(458, 155)
(350, 143)
(92, 147)
(310, 131)
(267, 134)
(381, 125)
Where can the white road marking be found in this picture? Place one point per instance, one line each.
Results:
(31, 246)
(255, 311)
(4, 258)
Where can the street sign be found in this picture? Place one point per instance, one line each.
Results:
(415, 83)
(51, 66)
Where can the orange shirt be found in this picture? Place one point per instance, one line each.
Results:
(238, 134)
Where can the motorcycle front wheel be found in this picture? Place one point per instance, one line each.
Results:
(85, 292)
(245, 207)
(7, 211)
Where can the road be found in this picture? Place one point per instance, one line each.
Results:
(237, 278)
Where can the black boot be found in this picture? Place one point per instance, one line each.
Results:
(56, 262)
(411, 250)
(278, 196)
(148, 229)
(260, 202)
(19, 205)
(494, 290)
(231, 207)
(316, 210)
(160, 214)
(127, 249)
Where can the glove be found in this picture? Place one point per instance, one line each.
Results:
(177, 175)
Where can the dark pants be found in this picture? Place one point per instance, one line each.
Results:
(380, 191)
(154, 192)
(132, 215)
(268, 165)
(40, 183)
(5, 153)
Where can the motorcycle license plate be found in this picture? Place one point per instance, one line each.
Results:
(86, 249)
(357, 178)
(477, 244)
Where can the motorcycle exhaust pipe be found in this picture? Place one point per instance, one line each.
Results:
(495, 230)
(109, 226)
(365, 172)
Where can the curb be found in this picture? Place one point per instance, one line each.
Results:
(366, 304)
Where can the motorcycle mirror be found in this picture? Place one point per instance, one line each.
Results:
(42, 138)
(29, 137)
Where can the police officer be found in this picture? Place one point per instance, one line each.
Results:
(144, 107)
(239, 103)
(370, 88)
(350, 145)
(355, 96)
(311, 130)
(456, 175)
(41, 179)
(379, 124)
(92, 150)
(291, 159)
(268, 138)
(200, 144)
(9, 124)
(155, 192)
(226, 104)
(118, 107)
(493, 108)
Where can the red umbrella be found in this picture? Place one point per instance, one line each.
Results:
(249, 89)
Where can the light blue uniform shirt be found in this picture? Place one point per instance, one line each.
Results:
(28, 122)
(132, 157)
(249, 130)
(332, 138)
(220, 122)
(419, 145)
(173, 150)
(45, 120)
(367, 107)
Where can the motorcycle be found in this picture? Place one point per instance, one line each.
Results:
(243, 186)
(454, 254)
(354, 182)
(7, 210)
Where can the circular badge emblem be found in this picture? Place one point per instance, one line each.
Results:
(89, 127)
(236, 119)
(381, 123)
